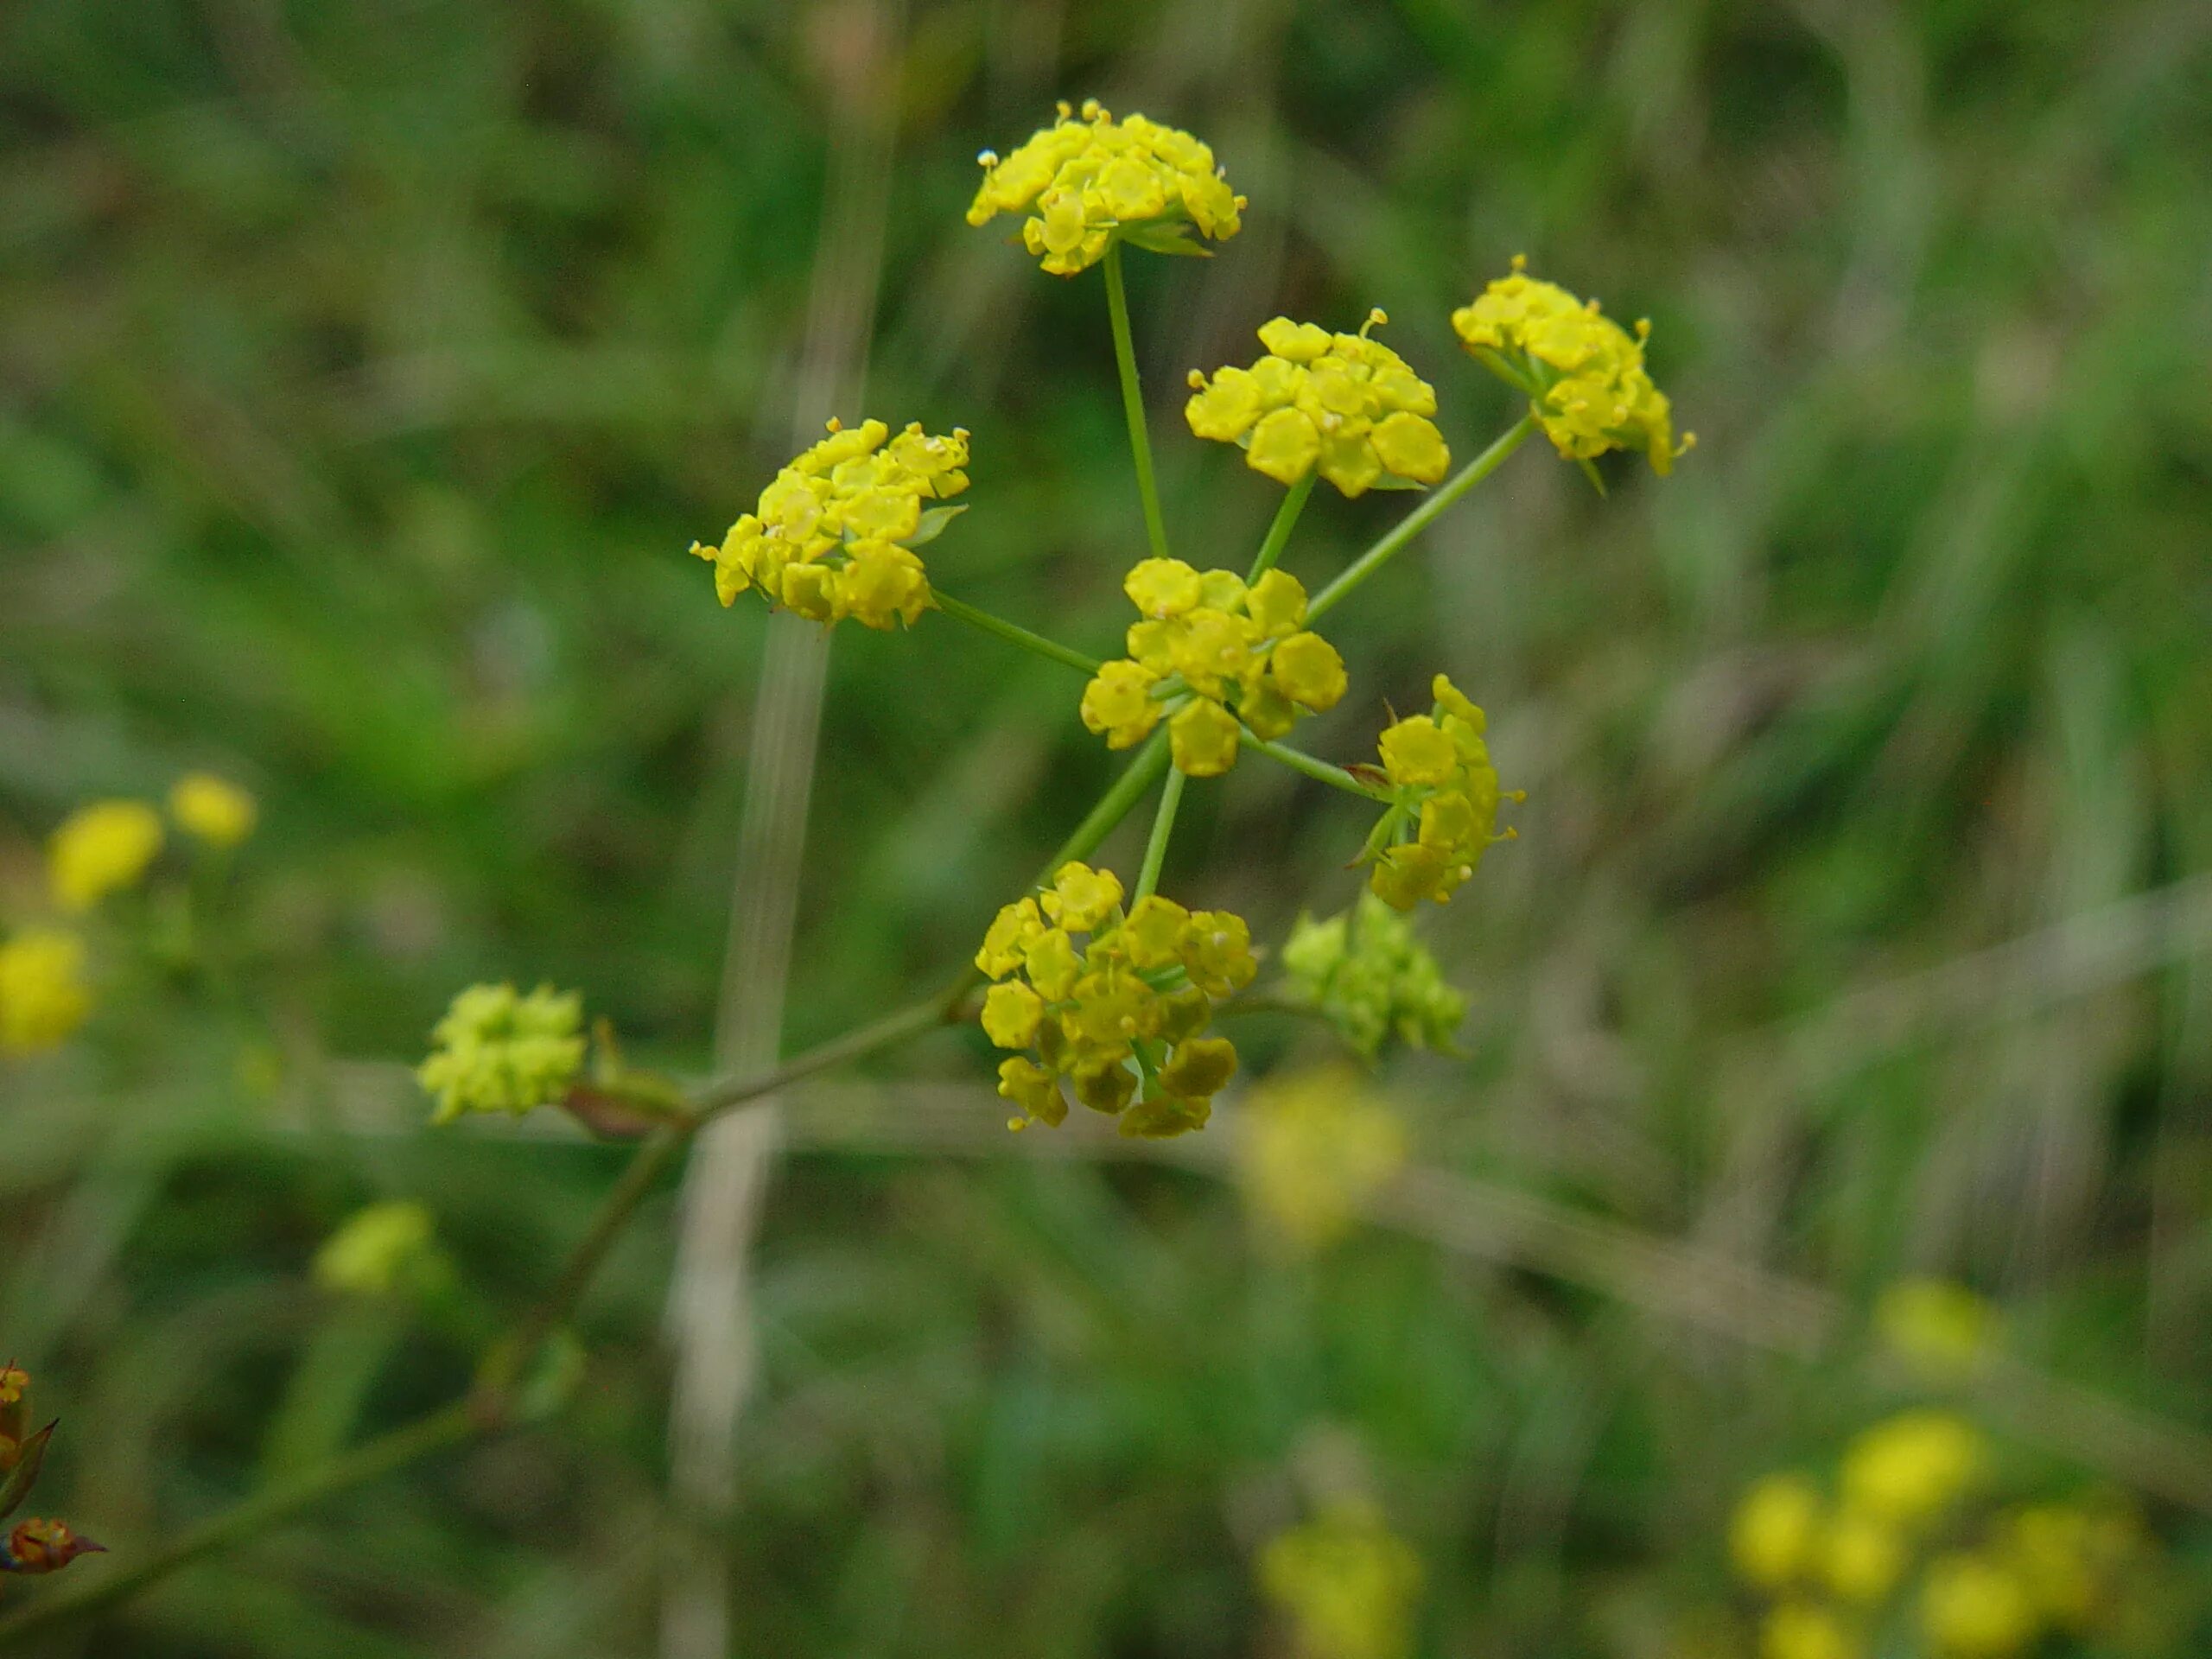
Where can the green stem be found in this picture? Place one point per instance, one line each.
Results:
(1320, 771)
(1420, 517)
(1052, 650)
(1294, 503)
(1113, 806)
(452, 1425)
(1163, 826)
(713, 1098)
(1125, 359)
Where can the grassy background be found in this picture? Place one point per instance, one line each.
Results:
(365, 370)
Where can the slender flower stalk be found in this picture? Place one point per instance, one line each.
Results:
(1420, 517)
(1163, 827)
(1278, 537)
(1013, 632)
(1320, 771)
(1125, 359)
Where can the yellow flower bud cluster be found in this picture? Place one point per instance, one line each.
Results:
(212, 809)
(1584, 373)
(1343, 404)
(1209, 652)
(1119, 1018)
(1348, 1585)
(43, 997)
(1445, 810)
(497, 1051)
(834, 535)
(1085, 182)
(99, 849)
(1313, 1146)
(1364, 970)
(379, 1249)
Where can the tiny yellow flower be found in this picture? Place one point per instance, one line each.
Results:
(1862, 1557)
(1091, 182)
(1447, 797)
(1417, 751)
(1972, 1607)
(1118, 704)
(1034, 1089)
(1012, 1012)
(1080, 897)
(1776, 1526)
(1585, 373)
(1306, 670)
(43, 998)
(1941, 1330)
(1153, 934)
(1344, 404)
(497, 1051)
(1163, 587)
(1800, 1630)
(1910, 1468)
(100, 849)
(1203, 738)
(1348, 1583)
(216, 812)
(378, 1249)
(1217, 953)
(1008, 940)
(1313, 1146)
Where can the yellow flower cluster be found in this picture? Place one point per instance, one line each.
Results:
(1313, 1146)
(1210, 653)
(101, 848)
(1941, 1331)
(1119, 1018)
(43, 998)
(1367, 973)
(1445, 811)
(212, 809)
(497, 1051)
(1910, 1468)
(1349, 1584)
(1583, 371)
(834, 535)
(1087, 183)
(378, 1249)
(1343, 404)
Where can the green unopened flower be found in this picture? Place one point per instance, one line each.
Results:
(378, 1250)
(497, 1051)
(1373, 980)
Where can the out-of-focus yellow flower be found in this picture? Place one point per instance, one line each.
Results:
(1212, 654)
(1805, 1630)
(1584, 373)
(834, 535)
(1119, 1019)
(1861, 1557)
(498, 1050)
(43, 997)
(1313, 1146)
(1445, 815)
(1344, 404)
(1910, 1468)
(1774, 1530)
(1348, 1583)
(1087, 183)
(212, 808)
(1366, 973)
(2071, 1557)
(378, 1250)
(1973, 1607)
(1941, 1330)
(99, 849)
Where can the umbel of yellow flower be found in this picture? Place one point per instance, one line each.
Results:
(1774, 1530)
(834, 535)
(1584, 373)
(1974, 1606)
(211, 808)
(497, 1051)
(1119, 1019)
(1343, 405)
(99, 849)
(1208, 653)
(1862, 1556)
(1086, 182)
(1349, 1584)
(1313, 1146)
(1941, 1331)
(42, 994)
(378, 1250)
(1365, 971)
(1910, 1468)
(1445, 810)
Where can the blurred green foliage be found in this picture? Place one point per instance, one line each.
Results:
(364, 370)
